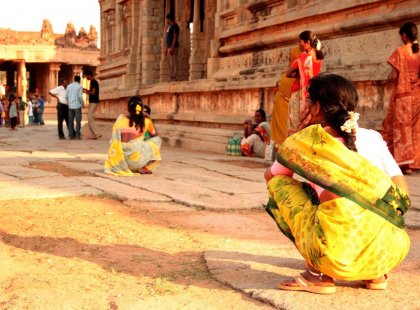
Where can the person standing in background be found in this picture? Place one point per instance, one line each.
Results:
(306, 66)
(280, 114)
(22, 110)
(30, 113)
(62, 107)
(93, 102)
(74, 95)
(401, 126)
(172, 45)
(41, 101)
(13, 111)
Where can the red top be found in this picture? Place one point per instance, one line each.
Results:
(308, 68)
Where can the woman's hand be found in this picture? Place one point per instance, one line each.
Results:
(247, 128)
(305, 118)
(268, 175)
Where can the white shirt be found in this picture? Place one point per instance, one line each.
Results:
(30, 111)
(60, 92)
(371, 145)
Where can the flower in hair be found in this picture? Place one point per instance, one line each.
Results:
(138, 109)
(318, 45)
(351, 124)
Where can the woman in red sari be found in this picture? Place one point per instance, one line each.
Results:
(401, 126)
(306, 66)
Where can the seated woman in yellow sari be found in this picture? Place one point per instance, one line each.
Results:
(129, 152)
(346, 220)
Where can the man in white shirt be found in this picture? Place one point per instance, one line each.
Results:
(62, 107)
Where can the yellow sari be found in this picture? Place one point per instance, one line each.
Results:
(280, 114)
(126, 157)
(358, 236)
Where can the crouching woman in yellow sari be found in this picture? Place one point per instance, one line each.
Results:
(346, 219)
(129, 152)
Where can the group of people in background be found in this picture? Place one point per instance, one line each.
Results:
(305, 62)
(70, 103)
(15, 112)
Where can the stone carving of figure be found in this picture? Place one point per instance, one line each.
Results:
(82, 38)
(46, 30)
(82, 34)
(70, 34)
(93, 36)
(111, 18)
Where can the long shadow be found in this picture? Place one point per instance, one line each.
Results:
(184, 268)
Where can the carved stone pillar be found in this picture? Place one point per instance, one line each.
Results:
(52, 78)
(103, 35)
(197, 51)
(22, 82)
(163, 66)
(150, 38)
(110, 43)
(123, 27)
(183, 9)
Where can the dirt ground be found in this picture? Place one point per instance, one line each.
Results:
(98, 253)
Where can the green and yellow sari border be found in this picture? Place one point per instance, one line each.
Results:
(383, 206)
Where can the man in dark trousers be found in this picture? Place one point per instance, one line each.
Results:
(172, 45)
(62, 107)
(93, 103)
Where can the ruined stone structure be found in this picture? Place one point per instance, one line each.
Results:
(38, 60)
(232, 53)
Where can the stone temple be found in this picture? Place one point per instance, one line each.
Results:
(34, 62)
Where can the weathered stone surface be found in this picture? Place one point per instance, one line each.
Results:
(122, 191)
(23, 172)
(156, 206)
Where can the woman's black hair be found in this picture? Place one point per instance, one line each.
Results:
(337, 97)
(263, 115)
(147, 109)
(135, 111)
(313, 40)
(410, 31)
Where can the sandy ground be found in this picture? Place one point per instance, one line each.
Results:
(98, 253)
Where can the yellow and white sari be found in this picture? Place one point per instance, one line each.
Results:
(358, 236)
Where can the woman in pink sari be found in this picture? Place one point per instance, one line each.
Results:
(306, 66)
(401, 126)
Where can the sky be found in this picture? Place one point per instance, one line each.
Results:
(27, 15)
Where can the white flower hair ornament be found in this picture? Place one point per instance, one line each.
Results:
(351, 124)
(318, 45)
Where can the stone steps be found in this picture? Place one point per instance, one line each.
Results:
(196, 138)
(199, 138)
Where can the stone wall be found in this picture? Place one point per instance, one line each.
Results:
(231, 65)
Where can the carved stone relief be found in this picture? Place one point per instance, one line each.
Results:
(47, 31)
